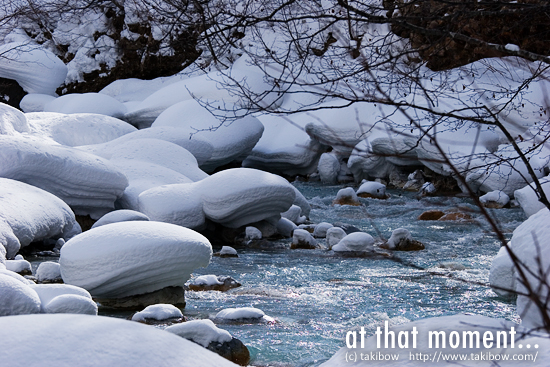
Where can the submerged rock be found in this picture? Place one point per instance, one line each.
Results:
(431, 215)
(456, 216)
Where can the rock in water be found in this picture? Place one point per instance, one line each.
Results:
(401, 240)
(495, 199)
(371, 189)
(303, 239)
(213, 283)
(347, 196)
(158, 312)
(130, 258)
(355, 242)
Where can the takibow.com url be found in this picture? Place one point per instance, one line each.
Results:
(441, 357)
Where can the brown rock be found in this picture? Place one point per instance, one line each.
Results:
(456, 216)
(431, 215)
(346, 201)
(370, 196)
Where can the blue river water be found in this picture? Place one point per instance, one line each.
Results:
(316, 297)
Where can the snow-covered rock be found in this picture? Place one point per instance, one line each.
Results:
(122, 215)
(98, 103)
(242, 313)
(202, 332)
(347, 196)
(502, 277)
(179, 204)
(328, 168)
(427, 188)
(71, 303)
(321, 229)
(87, 183)
(35, 102)
(528, 199)
(159, 152)
(228, 251)
(196, 145)
(495, 199)
(49, 292)
(48, 271)
(34, 68)
(12, 121)
(334, 235)
(31, 214)
(294, 214)
(158, 312)
(371, 189)
(213, 282)
(303, 239)
(285, 227)
(68, 340)
(401, 240)
(252, 233)
(16, 276)
(143, 176)
(77, 129)
(285, 147)
(17, 298)
(19, 266)
(232, 140)
(239, 196)
(130, 258)
(355, 242)
(3, 253)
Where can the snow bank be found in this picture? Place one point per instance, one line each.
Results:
(202, 332)
(240, 196)
(12, 121)
(32, 214)
(97, 103)
(77, 129)
(129, 258)
(35, 69)
(68, 340)
(89, 184)
(159, 312)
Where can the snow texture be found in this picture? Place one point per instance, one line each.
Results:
(71, 303)
(68, 340)
(30, 214)
(48, 292)
(528, 199)
(122, 215)
(12, 121)
(35, 102)
(87, 183)
(159, 312)
(129, 258)
(35, 69)
(202, 332)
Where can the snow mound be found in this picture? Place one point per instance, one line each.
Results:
(321, 229)
(209, 279)
(334, 235)
(202, 332)
(123, 215)
(71, 303)
(77, 129)
(239, 196)
(48, 271)
(241, 313)
(303, 239)
(231, 141)
(48, 292)
(284, 147)
(87, 183)
(17, 298)
(159, 152)
(68, 340)
(372, 189)
(32, 214)
(495, 199)
(294, 214)
(329, 168)
(198, 147)
(355, 242)
(158, 312)
(98, 103)
(19, 266)
(129, 258)
(397, 236)
(228, 251)
(12, 121)
(35, 69)
(35, 102)
(141, 177)
(502, 277)
(178, 204)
